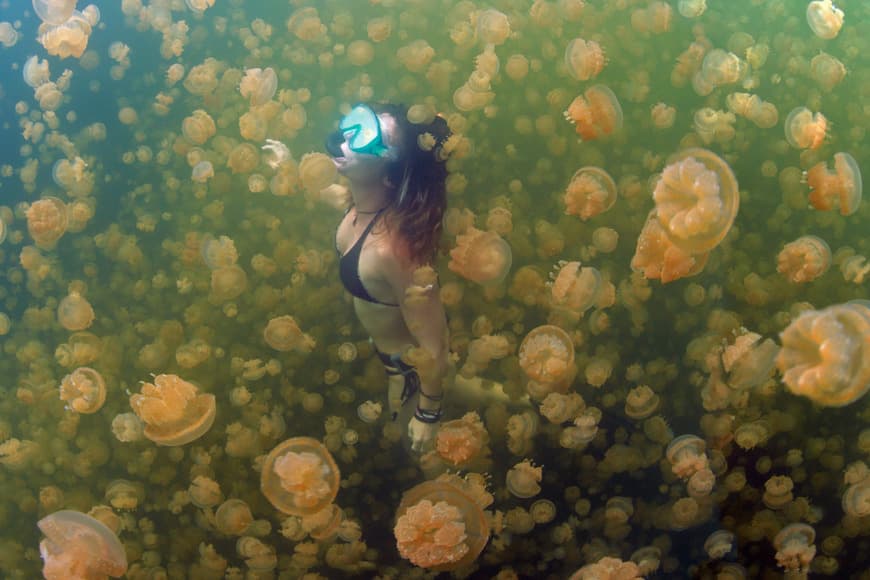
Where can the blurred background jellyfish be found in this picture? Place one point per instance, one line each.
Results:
(79, 546)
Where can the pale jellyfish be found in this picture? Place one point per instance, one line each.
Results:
(316, 171)
(523, 479)
(827, 70)
(493, 27)
(69, 38)
(8, 34)
(199, 6)
(607, 567)
(691, 8)
(227, 283)
(259, 85)
(79, 546)
(655, 18)
(720, 67)
(276, 154)
(173, 410)
(84, 390)
(595, 114)
(199, 127)
(590, 192)
(696, 200)
(584, 59)
(218, 252)
(482, 257)
(47, 221)
(841, 188)
(35, 71)
(825, 354)
(202, 172)
(243, 158)
(804, 129)
(440, 525)
(546, 356)
(416, 55)
(283, 333)
(54, 11)
(299, 476)
(74, 312)
(824, 18)
(575, 288)
(794, 548)
(804, 259)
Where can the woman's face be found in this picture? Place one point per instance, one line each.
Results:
(366, 167)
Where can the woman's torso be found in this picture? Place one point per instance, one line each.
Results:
(384, 323)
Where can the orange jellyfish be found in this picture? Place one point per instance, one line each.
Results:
(827, 70)
(590, 192)
(657, 257)
(595, 113)
(696, 200)
(173, 410)
(584, 59)
(574, 288)
(824, 18)
(804, 259)
(79, 546)
(805, 130)
(546, 355)
(825, 354)
(794, 548)
(299, 476)
(842, 187)
(460, 444)
(440, 525)
(46, 221)
(84, 389)
(482, 257)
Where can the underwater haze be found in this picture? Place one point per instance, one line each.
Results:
(654, 265)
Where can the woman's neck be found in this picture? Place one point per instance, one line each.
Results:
(369, 197)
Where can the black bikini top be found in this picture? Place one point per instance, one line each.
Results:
(348, 267)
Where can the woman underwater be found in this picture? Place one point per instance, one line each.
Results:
(390, 231)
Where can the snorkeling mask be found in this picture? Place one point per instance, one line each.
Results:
(361, 128)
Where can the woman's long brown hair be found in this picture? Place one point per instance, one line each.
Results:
(419, 199)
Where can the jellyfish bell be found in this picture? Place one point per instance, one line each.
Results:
(440, 526)
(173, 410)
(546, 356)
(805, 129)
(54, 11)
(47, 221)
(595, 114)
(696, 200)
(259, 85)
(584, 59)
(481, 256)
(84, 390)
(590, 192)
(300, 477)
(804, 259)
(79, 546)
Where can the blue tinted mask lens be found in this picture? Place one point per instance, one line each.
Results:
(362, 129)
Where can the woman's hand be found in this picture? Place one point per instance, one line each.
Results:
(420, 433)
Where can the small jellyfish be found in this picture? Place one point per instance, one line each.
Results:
(825, 354)
(686, 455)
(827, 70)
(283, 334)
(259, 85)
(841, 188)
(657, 257)
(641, 402)
(227, 283)
(523, 479)
(47, 221)
(74, 312)
(462, 443)
(824, 19)
(482, 257)
(299, 476)
(277, 153)
(595, 114)
(79, 546)
(546, 355)
(173, 410)
(804, 259)
(696, 200)
(584, 59)
(691, 8)
(202, 172)
(575, 288)
(199, 127)
(720, 67)
(219, 252)
(84, 389)
(316, 171)
(794, 546)
(440, 524)
(493, 27)
(590, 192)
(805, 130)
